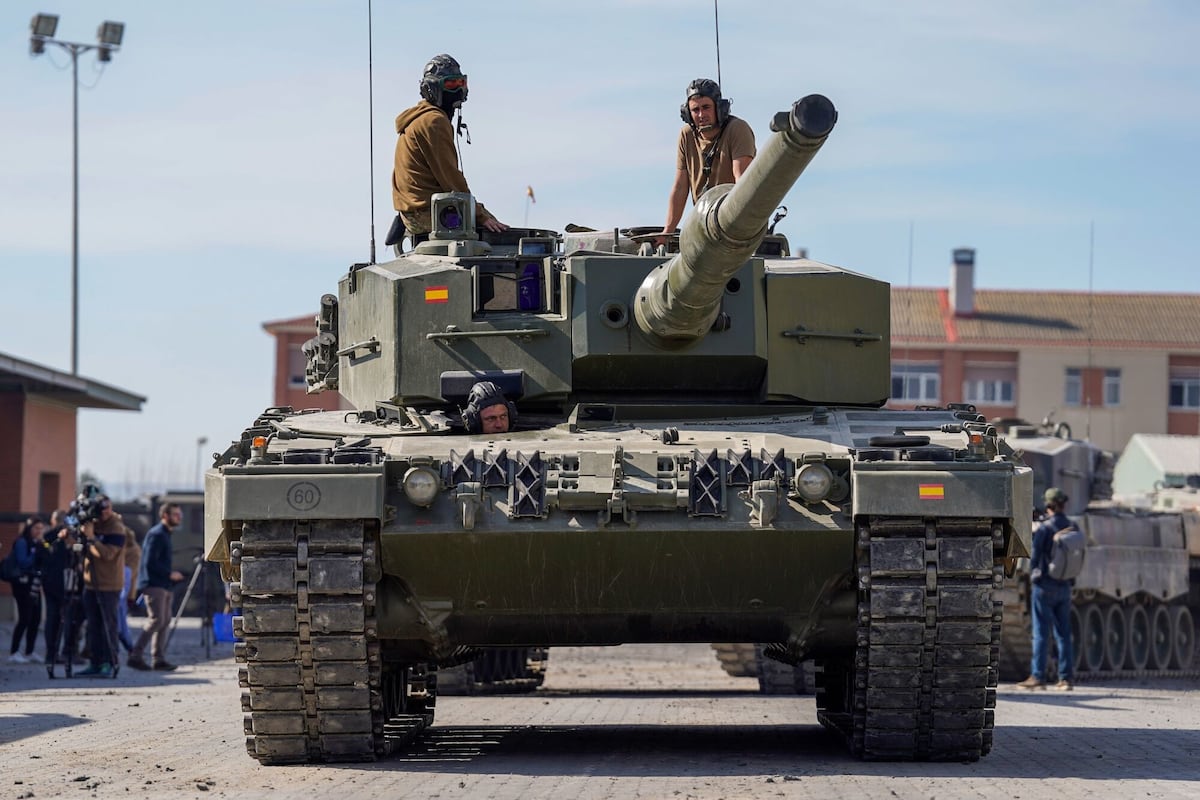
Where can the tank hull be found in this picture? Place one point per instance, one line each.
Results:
(354, 597)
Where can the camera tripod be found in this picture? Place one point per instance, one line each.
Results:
(206, 622)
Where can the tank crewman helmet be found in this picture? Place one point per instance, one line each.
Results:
(486, 394)
(705, 87)
(443, 81)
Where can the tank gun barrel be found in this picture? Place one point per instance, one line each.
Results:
(679, 300)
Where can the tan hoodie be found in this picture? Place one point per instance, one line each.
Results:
(426, 164)
(104, 558)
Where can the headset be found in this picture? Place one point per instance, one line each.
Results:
(486, 394)
(705, 87)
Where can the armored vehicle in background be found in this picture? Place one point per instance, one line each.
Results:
(1134, 605)
(699, 456)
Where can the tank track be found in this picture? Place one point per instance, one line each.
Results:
(921, 684)
(1107, 650)
(315, 685)
(498, 670)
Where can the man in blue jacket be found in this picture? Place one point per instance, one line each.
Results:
(1051, 599)
(154, 581)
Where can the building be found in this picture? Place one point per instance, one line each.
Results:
(1109, 365)
(39, 407)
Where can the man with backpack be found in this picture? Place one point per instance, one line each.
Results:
(1051, 596)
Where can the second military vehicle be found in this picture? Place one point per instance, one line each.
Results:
(1134, 605)
(699, 456)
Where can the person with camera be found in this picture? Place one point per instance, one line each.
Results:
(104, 537)
(60, 562)
(154, 581)
(27, 592)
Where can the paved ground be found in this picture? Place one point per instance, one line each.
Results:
(634, 721)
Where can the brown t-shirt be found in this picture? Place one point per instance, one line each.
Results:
(736, 141)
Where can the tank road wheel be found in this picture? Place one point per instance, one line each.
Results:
(1091, 644)
(311, 656)
(1183, 638)
(1076, 639)
(1160, 637)
(409, 693)
(926, 665)
(776, 677)
(1116, 637)
(737, 659)
(1137, 627)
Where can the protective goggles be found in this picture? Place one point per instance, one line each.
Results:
(454, 82)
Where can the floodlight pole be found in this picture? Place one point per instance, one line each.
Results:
(75, 48)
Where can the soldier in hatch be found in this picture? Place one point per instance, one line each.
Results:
(488, 410)
(426, 162)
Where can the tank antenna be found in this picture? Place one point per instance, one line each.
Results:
(717, 26)
(371, 126)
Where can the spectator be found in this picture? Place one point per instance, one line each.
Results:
(62, 586)
(1051, 599)
(132, 557)
(27, 592)
(103, 574)
(154, 581)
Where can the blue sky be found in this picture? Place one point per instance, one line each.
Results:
(225, 160)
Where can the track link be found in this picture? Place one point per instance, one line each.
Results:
(922, 682)
(312, 668)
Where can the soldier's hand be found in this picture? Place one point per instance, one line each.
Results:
(495, 226)
(176, 575)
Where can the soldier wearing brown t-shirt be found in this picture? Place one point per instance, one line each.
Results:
(714, 148)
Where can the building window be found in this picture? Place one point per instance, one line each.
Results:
(1112, 387)
(1184, 393)
(988, 392)
(1074, 390)
(915, 383)
(296, 364)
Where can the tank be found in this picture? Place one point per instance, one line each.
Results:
(1134, 605)
(700, 455)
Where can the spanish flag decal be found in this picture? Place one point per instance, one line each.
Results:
(932, 491)
(437, 294)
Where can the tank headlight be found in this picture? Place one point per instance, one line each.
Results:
(813, 482)
(421, 486)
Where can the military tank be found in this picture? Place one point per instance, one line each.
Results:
(700, 456)
(1134, 605)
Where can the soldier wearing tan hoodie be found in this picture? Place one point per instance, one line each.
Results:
(103, 579)
(426, 162)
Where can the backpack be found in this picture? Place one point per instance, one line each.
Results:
(9, 570)
(1067, 551)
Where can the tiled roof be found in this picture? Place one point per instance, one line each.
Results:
(1051, 318)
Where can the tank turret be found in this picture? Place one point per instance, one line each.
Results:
(679, 301)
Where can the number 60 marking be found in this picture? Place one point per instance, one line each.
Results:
(303, 496)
